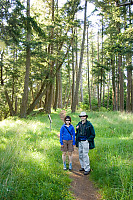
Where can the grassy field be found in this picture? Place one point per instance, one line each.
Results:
(31, 164)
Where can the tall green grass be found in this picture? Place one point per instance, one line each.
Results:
(112, 159)
(30, 160)
(31, 164)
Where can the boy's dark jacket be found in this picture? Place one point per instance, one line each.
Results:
(90, 133)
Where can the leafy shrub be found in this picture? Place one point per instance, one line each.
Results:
(102, 109)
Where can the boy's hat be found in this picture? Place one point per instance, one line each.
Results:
(82, 114)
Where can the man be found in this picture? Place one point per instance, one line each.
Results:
(85, 135)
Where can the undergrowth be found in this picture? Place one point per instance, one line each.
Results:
(31, 163)
(30, 160)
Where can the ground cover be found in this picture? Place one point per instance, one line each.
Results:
(30, 160)
(31, 164)
(111, 160)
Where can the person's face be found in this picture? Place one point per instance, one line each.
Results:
(67, 121)
(83, 118)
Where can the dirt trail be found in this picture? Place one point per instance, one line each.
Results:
(81, 187)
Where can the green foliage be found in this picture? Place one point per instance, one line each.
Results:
(12, 22)
(102, 109)
(86, 106)
(31, 163)
(3, 105)
(48, 44)
(114, 168)
(111, 160)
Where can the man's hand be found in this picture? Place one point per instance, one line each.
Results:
(62, 145)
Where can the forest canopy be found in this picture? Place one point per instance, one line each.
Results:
(52, 57)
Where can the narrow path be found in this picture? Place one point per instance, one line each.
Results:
(81, 187)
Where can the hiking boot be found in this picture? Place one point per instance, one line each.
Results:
(70, 166)
(64, 166)
(86, 172)
(81, 169)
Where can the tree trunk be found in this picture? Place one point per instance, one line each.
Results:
(129, 74)
(121, 83)
(60, 91)
(108, 97)
(81, 87)
(80, 63)
(49, 100)
(100, 99)
(89, 94)
(130, 22)
(65, 97)
(26, 83)
(129, 81)
(57, 74)
(46, 82)
(46, 97)
(98, 95)
(102, 70)
(1, 65)
(76, 61)
(92, 63)
(113, 85)
(117, 89)
(68, 98)
(56, 92)
(40, 94)
(103, 93)
(12, 112)
(73, 70)
(16, 105)
(132, 94)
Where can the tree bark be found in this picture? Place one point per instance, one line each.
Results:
(129, 81)
(56, 92)
(89, 93)
(117, 88)
(12, 112)
(16, 105)
(60, 91)
(108, 91)
(1, 65)
(73, 69)
(57, 74)
(38, 96)
(81, 87)
(102, 78)
(113, 85)
(80, 63)
(132, 94)
(49, 99)
(98, 60)
(121, 83)
(26, 83)
(129, 75)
